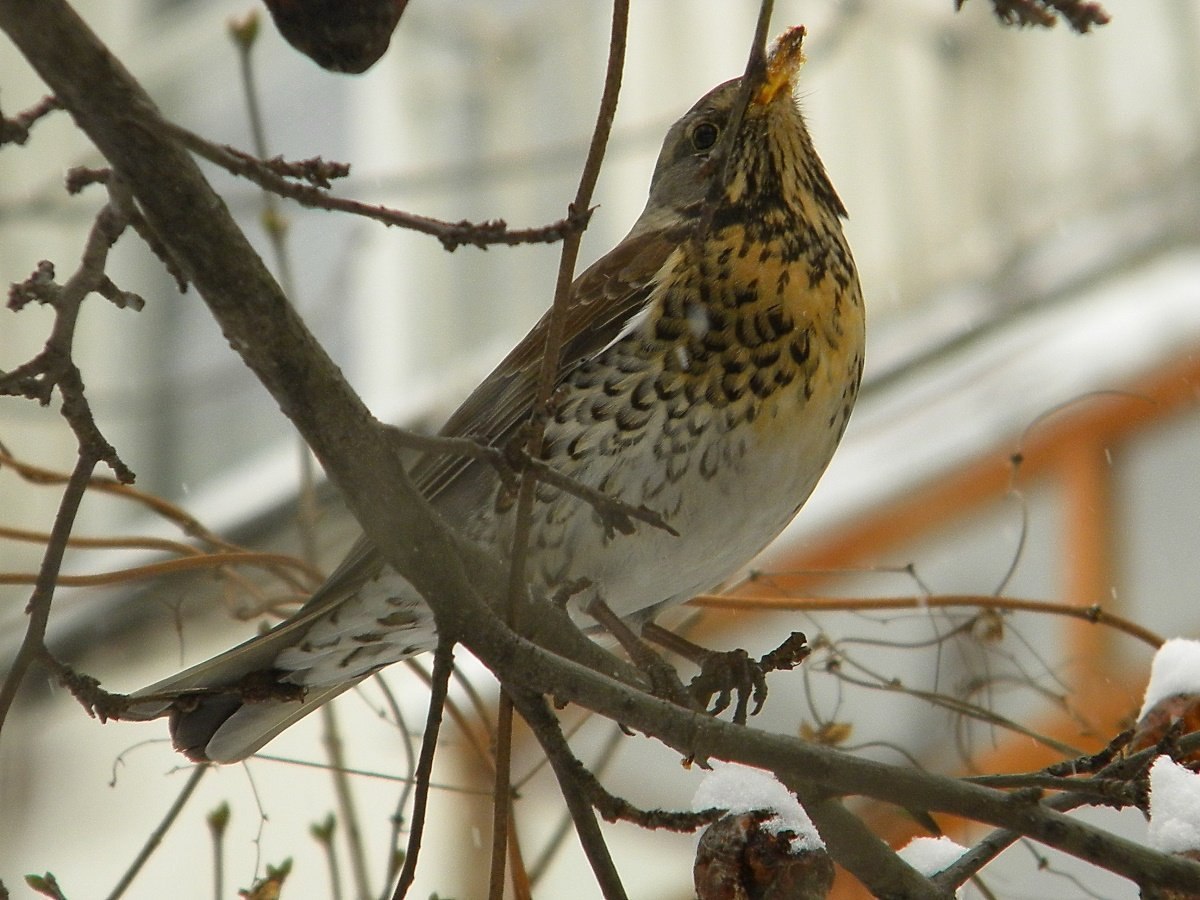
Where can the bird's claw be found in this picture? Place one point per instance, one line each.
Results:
(723, 674)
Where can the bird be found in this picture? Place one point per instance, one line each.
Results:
(708, 370)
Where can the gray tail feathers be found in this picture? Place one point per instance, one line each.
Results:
(228, 707)
(226, 727)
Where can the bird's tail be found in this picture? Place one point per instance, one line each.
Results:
(226, 708)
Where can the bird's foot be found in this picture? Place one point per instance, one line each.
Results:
(725, 675)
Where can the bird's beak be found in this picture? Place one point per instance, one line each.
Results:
(782, 65)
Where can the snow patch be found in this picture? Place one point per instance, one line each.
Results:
(741, 789)
(1174, 807)
(930, 855)
(1175, 670)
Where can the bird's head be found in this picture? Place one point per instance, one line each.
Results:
(771, 160)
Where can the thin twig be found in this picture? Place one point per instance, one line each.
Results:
(722, 156)
(125, 542)
(480, 744)
(567, 768)
(332, 739)
(157, 834)
(174, 514)
(556, 323)
(270, 561)
(853, 846)
(16, 129)
(38, 608)
(54, 368)
(323, 834)
(188, 524)
(410, 759)
(554, 842)
(952, 704)
(243, 35)
(443, 665)
(451, 234)
(522, 887)
(368, 773)
(546, 382)
(994, 843)
(1094, 613)
(509, 462)
(218, 824)
(501, 798)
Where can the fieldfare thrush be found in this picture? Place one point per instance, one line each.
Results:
(710, 363)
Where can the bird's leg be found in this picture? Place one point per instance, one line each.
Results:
(725, 673)
(721, 675)
(664, 680)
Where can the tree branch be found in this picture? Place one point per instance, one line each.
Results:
(34, 643)
(857, 850)
(273, 175)
(569, 771)
(443, 665)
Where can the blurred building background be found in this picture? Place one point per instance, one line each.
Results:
(1025, 210)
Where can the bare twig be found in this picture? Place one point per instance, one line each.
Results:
(571, 776)
(548, 370)
(452, 235)
(510, 461)
(443, 665)
(218, 823)
(323, 833)
(954, 705)
(410, 758)
(243, 34)
(854, 847)
(1094, 613)
(501, 798)
(158, 833)
(53, 368)
(478, 743)
(546, 382)
(332, 739)
(38, 608)
(722, 155)
(993, 844)
(119, 542)
(292, 571)
(271, 561)
(188, 524)
(16, 129)
(96, 701)
(80, 177)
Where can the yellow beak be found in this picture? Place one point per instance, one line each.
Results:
(783, 63)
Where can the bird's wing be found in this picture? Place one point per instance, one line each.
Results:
(603, 300)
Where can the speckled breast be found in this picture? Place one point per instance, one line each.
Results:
(719, 410)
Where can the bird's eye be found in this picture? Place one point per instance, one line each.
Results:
(704, 135)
